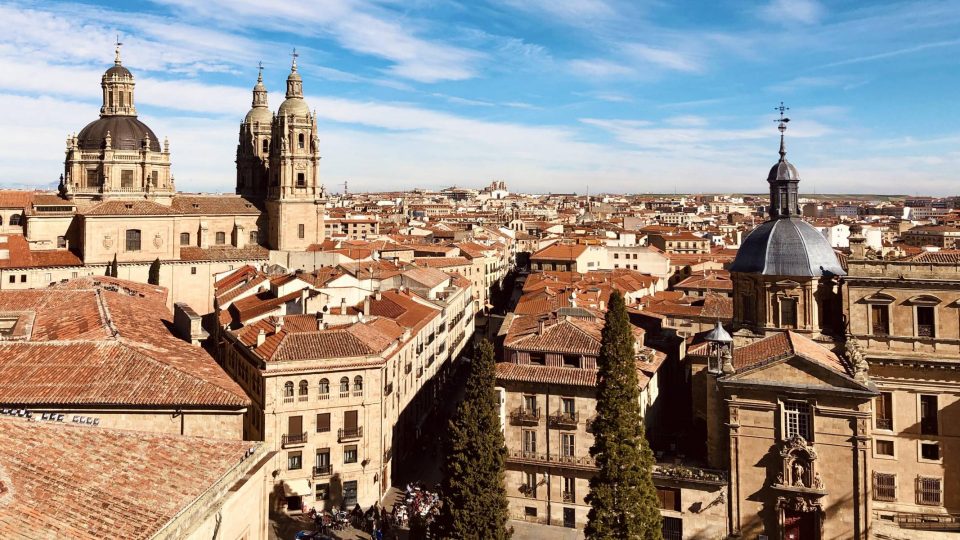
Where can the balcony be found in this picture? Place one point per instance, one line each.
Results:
(293, 439)
(565, 419)
(322, 470)
(884, 423)
(568, 497)
(525, 417)
(569, 462)
(288, 399)
(344, 434)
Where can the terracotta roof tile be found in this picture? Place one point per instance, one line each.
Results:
(206, 205)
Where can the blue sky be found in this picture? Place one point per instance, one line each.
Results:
(548, 95)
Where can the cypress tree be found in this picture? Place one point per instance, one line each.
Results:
(623, 500)
(474, 497)
(153, 278)
(112, 267)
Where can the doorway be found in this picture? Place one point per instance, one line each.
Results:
(569, 518)
(800, 526)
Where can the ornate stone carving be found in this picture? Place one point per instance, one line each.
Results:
(157, 240)
(107, 241)
(799, 503)
(854, 353)
(818, 481)
(799, 465)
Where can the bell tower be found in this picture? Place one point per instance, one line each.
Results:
(253, 148)
(295, 198)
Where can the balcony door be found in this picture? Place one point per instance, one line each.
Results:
(295, 426)
(349, 422)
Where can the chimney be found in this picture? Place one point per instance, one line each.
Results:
(366, 306)
(320, 324)
(261, 337)
(277, 325)
(542, 327)
(343, 306)
(377, 294)
(603, 306)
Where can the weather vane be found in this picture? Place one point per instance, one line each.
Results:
(117, 51)
(782, 121)
(294, 55)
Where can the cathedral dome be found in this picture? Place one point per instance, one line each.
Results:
(118, 71)
(259, 114)
(126, 133)
(786, 247)
(294, 106)
(782, 171)
(259, 111)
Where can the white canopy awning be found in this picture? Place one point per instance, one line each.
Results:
(295, 487)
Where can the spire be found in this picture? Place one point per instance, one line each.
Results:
(783, 177)
(116, 51)
(294, 82)
(259, 90)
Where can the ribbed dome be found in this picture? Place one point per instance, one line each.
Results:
(259, 114)
(294, 106)
(783, 170)
(786, 247)
(118, 71)
(126, 133)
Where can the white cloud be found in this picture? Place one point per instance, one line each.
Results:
(675, 60)
(598, 67)
(793, 11)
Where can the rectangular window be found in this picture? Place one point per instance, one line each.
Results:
(133, 239)
(23, 278)
(323, 422)
(788, 312)
(930, 491)
(301, 180)
(154, 178)
(193, 270)
(93, 179)
(61, 242)
(221, 238)
(567, 445)
(881, 323)
(884, 447)
(530, 511)
(571, 360)
(669, 498)
(568, 407)
(184, 239)
(350, 453)
(301, 231)
(797, 420)
(930, 451)
(323, 492)
(13, 279)
(925, 322)
(929, 414)
(294, 461)
(295, 427)
(569, 489)
(884, 410)
(884, 487)
(529, 441)
(350, 494)
(126, 179)
(530, 484)
(530, 403)
(672, 528)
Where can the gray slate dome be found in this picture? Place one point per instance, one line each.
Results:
(786, 247)
(783, 170)
(126, 133)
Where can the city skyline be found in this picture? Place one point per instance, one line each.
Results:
(547, 96)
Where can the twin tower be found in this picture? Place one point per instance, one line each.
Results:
(278, 162)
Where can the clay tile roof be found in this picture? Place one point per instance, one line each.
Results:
(507, 371)
(784, 345)
(10, 198)
(19, 254)
(560, 252)
(431, 277)
(441, 262)
(129, 208)
(87, 483)
(98, 340)
(944, 256)
(224, 253)
(214, 205)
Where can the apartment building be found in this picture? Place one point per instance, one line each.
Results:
(339, 391)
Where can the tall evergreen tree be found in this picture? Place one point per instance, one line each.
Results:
(474, 497)
(153, 277)
(112, 267)
(623, 500)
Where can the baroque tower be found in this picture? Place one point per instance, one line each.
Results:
(295, 196)
(253, 150)
(117, 155)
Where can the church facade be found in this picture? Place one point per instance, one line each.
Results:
(117, 200)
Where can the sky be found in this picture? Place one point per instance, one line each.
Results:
(608, 96)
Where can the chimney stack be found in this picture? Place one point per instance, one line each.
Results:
(261, 337)
(366, 306)
(277, 325)
(343, 306)
(377, 294)
(543, 326)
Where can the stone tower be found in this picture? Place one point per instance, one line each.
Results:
(295, 197)
(253, 150)
(117, 155)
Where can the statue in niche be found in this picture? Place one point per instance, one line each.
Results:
(798, 474)
(817, 481)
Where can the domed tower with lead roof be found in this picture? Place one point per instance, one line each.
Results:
(786, 274)
(295, 198)
(117, 155)
(253, 149)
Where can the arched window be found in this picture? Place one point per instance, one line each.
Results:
(304, 390)
(324, 390)
(344, 387)
(300, 140)
(221, 238)
(184, 239)
(266, 146)
(15, 219)
(357, 386)
(133, 239)
(288, 391)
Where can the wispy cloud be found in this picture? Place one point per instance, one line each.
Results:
(897, 52)
(665, 58)
(598, 67)
(793, 11)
